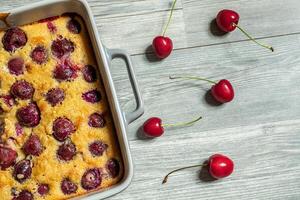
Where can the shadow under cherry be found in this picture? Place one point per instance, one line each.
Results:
(204, 174)
(150, 55)
(209, 99)
(141, 135)
(215, 30)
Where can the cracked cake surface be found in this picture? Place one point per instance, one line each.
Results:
(57, 138)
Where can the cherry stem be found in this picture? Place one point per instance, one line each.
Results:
(183, 168)
(183, 123)
(253, 39)
(193, 78)
(170, 17)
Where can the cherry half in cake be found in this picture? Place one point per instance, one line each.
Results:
(24, 195)
(29, 115)
(96, 120)
(16, 66)
(62, 128)
(68, 187)
(43, 189)
(61, 47)
(52, 28)
(66, 151)
(91, 179)
(113, 167)
(74, 26)
(8, 99)
(7, 157)
(92, 96)
(55, 96)
(22, 170)
(65, 71)
(19, 129)
(89, 73)
(22, 89)
(97, 148)
(39, 54)
(13, 39)
(33, 146)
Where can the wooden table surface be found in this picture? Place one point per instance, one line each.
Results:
(259, 130)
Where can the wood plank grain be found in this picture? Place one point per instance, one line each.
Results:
(194, 23)
(119, 8)
(266, 85)
(135, 33)
(267, 164)
(112, 8)
(261, 18)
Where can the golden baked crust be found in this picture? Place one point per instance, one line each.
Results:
(47, 167)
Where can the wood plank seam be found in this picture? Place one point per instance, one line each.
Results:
(222, 43)
(136, 14)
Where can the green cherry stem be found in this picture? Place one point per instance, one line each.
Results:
(193, 78)
(170, 17)
(183, 123)
(183, 168)
(253, 39)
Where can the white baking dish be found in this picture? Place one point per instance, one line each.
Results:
(48, 8)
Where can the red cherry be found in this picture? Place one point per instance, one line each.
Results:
(227, 20)
(162, 46)
(220, 166)
(223, 91)
(153, 127)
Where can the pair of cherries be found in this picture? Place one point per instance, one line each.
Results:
(219, 166)
(222, 91)
(227, 21)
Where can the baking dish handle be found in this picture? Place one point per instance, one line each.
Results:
(139, 110)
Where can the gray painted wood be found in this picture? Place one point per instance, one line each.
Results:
(261, 18)
(139, 31)
(266, 84)
(266, 157)
(112, 8)
(259, 129)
